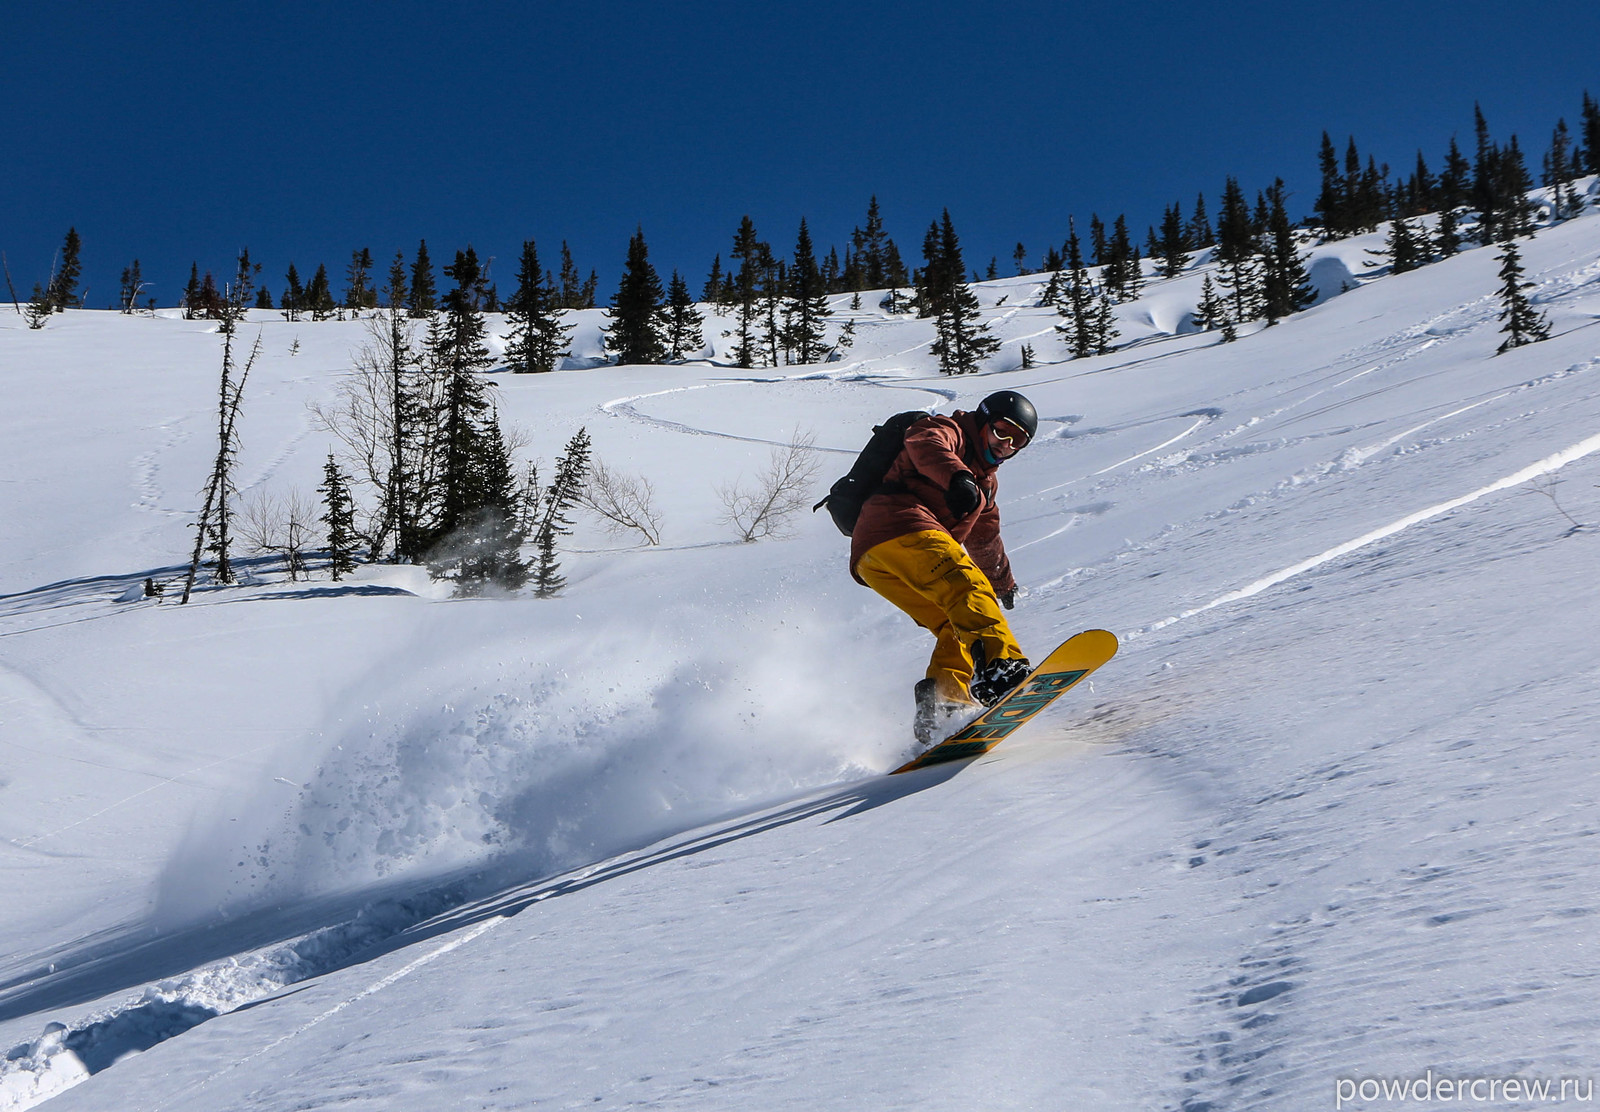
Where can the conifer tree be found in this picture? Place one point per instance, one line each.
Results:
(1517, 214)
(1447, 240)
(1172, 253)
(1422, 190)
(637, 333)
(1559, 172)
(39, 308)
(1455, 181)
(1590, 130)
(871, 246)
(457, 354)
(339, 516)
(1124, 274)
(1524, 324)
(806, 309)
(191, 293)
(538, 339)
(63, 288)
(894, 269)
(571, 469)
(754, 273)
(1405, 248)
(685, 323)
(210, 303)
(1200, 233)
(1211, 312)
(1019, 256)
(423, 298)
(963, 339)
(711, 292)
(1286, 287)
(294, 295)
(1236, 251)
(485, 551)
(1077, 305)
(359, 293)
(319, 295)
(1330, 206)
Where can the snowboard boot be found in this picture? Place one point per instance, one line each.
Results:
(933, 713)
(996, 678)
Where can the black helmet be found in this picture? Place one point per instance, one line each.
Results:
(1008, 405)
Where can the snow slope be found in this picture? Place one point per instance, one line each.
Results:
(1327, 818)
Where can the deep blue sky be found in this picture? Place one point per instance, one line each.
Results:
(179, 132)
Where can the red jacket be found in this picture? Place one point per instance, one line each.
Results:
(937, 448)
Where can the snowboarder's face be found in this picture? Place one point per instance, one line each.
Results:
(1004, 438)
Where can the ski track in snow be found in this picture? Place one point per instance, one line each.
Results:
(1546, 466)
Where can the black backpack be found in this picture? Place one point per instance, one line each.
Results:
(865, 478)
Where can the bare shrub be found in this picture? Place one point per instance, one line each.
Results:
(626, 503)
(282, 525)
(780, 491)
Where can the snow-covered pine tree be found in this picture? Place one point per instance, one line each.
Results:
(340, 519)
(806, 309)
(1524, 324)
(685, 322)
(637, 332)
(538, 339)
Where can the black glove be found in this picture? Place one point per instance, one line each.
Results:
(963, 497)
(1008, 598)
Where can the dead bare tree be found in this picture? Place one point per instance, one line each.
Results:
(780, 492)
(215, 515)
(626, 503)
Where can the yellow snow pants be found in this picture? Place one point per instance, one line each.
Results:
(931, 577)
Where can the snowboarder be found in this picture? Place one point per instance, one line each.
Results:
(929, 541)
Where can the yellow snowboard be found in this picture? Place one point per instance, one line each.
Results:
(1058, 672)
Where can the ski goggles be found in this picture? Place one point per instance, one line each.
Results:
(1011, 432)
